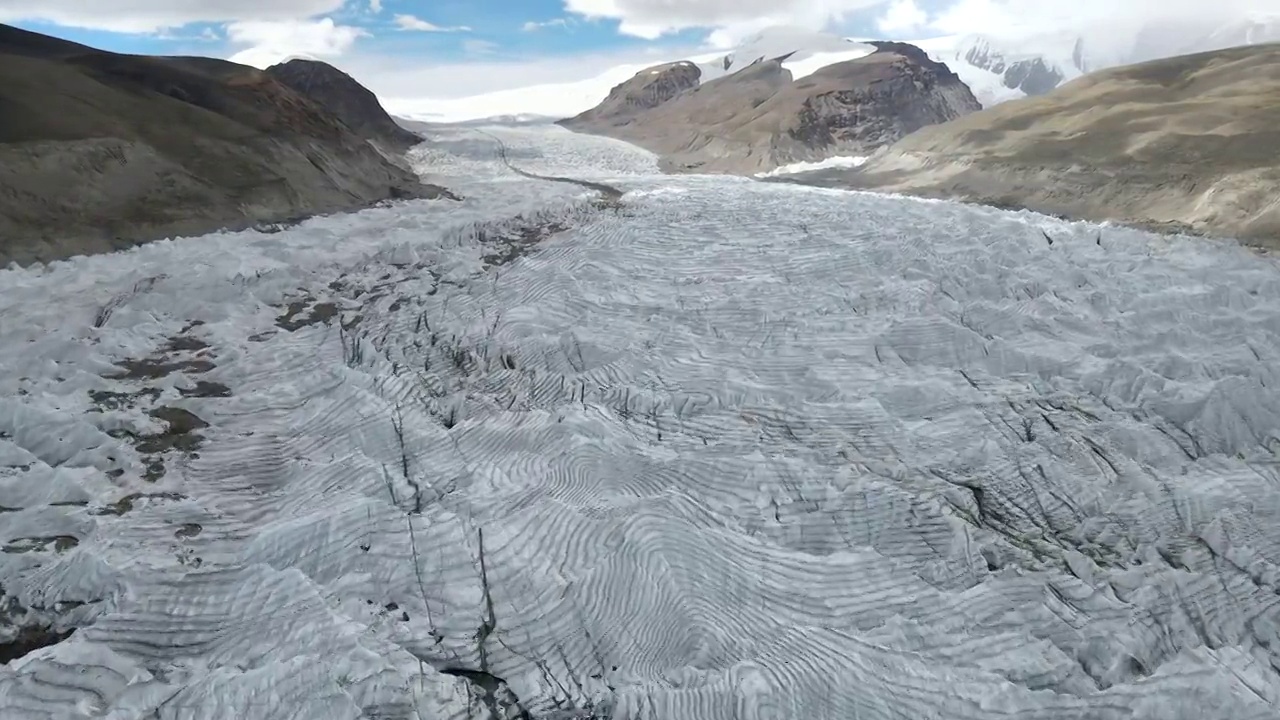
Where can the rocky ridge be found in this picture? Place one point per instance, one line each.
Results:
(1031, 75)
(1184, 144)
(645, 91)
(760, 117)
(101, 151)
(342, 95)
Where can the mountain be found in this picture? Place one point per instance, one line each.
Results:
(806, 52)
(554, 100)
(999, 67)
(348, 100)
(1189, 143)
(762, 116)
(1249, 31)
(998, 70)
(100, 151)
(648, 89)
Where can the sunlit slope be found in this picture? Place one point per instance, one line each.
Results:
(1190, 142)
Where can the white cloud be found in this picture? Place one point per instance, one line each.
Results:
(731, 20)
(533, 26)
(731, 36)
(1114, 17)
(651, 19)
(261, 32)
(151, 15)
(480, 47)
(509, 86)
(902, 18)
(409, 22)
(422, 83)
(1114, 32)
(270, 42)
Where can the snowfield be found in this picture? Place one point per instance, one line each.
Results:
(839, 161)
(722, 449)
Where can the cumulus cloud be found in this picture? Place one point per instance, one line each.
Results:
(727, 22)
(419, 84)
(409, 22)
(732, 19)
(139, 16)
(375, 6)
(902, 18)
(650, 19)
(1105, 16)
(270, 42)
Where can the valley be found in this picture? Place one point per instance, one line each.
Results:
(717, 449)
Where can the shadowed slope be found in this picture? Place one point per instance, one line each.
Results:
(100, 151)
(347, 99)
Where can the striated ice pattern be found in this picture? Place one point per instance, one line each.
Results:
(721, 449)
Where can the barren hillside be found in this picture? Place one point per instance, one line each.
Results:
(761, 116)
(1189, 143)
(100, 151)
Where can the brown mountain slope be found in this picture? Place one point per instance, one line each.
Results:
(646, 90)
(760, 118)
(1189, 143)
(351, 102)
(100, 151)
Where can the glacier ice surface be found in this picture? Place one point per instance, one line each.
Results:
(729, 450)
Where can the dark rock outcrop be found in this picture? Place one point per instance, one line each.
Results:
(760, 118)
(892, 93)
(100, 151)
(348, 100)
(1032, 76)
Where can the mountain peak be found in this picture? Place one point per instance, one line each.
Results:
(346, 98)
(803, 52)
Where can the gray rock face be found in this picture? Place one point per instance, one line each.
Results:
(100, 151)
(908, 92)
(759, 118)
(1032, 76)
(646, 90)
(348, 100)
(1078, 56)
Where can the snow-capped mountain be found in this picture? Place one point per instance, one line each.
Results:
(998, 69)
(1250, 31)
(806, 52)
(996, 66)
(556, 100)
(1001, 67)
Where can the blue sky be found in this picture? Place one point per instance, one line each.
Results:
(477, 45)
(455, 48)
(466, 29)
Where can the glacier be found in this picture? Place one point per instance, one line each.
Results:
(718, 449)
